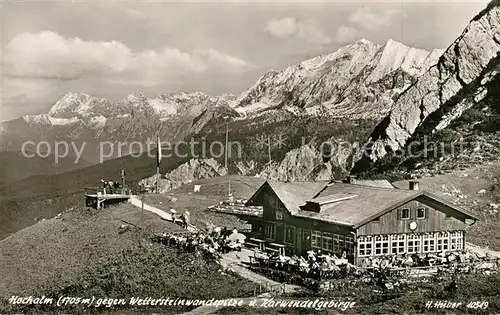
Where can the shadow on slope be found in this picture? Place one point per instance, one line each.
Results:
(84, 253)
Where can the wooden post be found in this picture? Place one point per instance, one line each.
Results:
(142, 205)
(269, 147)
(157, 179)
(123, 180)
(226, 153)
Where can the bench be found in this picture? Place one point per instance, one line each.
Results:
(272, 250)
(255, 243)
(276, 248)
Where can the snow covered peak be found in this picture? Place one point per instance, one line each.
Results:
(76, 104)
(134, 97)
(345, 82)
(44, 119)
(397, 56)
(363, 42)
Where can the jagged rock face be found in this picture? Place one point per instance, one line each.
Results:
(79, 105)
(246, 168)
(453, 85)
(359, 80)
(194, 169)
(312, 162)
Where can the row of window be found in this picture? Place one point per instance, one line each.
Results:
(331, 242)
(397, 244)
(270, 233)
(405, 213)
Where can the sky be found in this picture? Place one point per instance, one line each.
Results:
(113, 48)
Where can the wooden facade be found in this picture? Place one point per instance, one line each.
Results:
(418, 225)
(433, 220)
(299, 235)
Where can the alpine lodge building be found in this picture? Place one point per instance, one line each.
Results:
(361, 218)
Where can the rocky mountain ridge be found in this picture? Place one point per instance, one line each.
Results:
(357, 80)
(456, 83)
(81, 118)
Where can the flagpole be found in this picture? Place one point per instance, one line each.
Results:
(226, 153)
(269, 147)
(158, 160)
(157, 179)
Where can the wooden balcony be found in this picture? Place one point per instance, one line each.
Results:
(100, 197)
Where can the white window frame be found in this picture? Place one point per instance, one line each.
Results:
(398, 244)
(327, 242)
(349, 244)
(316, 239)
(456, 240)
(429, 243)
(365, 246)
(409, 213)
(381, 245)
(414, 243)
(338, 243)
(443, 242)
(425, 213)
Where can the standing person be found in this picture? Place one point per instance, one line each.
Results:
(185, 218)
(306, 244)
(116, 186)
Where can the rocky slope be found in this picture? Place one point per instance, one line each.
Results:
(188, 172)
(329, 160)
(456, 83)
(358, 80)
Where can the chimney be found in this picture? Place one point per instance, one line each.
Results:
(413, 185)
(351, 179)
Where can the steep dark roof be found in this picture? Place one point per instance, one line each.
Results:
(294, 194)
(355, 204)
(381, 183)
(369, 203)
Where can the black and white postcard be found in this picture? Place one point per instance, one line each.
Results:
(250, 157)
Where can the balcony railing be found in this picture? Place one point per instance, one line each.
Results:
(90, 191)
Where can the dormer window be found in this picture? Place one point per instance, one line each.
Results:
(421, 213)
(405, 214)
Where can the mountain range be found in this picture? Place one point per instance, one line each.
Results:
(466, 77)
(378, 99)
(358, 81)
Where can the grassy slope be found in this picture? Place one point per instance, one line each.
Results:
(45, 196)
(65, 190)
(406, 299)
(83, 254)
(212, 191)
